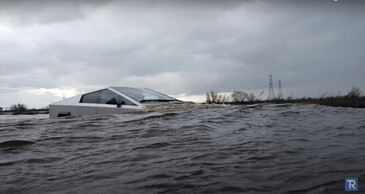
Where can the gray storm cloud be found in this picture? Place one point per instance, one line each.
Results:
(180, 47)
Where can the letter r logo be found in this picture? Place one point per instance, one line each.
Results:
(351, 184)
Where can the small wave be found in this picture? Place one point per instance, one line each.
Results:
(15, 143)
(43, 160)
(290, 113)
(159, 176)
(283, 105)
(151, 117)
(31, 161)
(25, 123)
(152, 146)
(7, 163)
(169, 187)
(178, 106)
(232, 189)
(142, 157)
(260, 158)
(241, 129)
(322, 188)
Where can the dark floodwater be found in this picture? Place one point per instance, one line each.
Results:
(230, 149)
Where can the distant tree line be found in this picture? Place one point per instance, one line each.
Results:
(19, 108)
(353, 98)
(241, 96)
(213, 97)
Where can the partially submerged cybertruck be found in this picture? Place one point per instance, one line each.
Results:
(112, 100)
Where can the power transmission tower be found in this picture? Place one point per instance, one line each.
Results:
(280, 92)
(271, 89)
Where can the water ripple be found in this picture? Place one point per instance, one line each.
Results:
(230, 149)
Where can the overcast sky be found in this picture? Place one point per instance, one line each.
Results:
(51, 48)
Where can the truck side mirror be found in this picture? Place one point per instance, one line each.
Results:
(120, 104)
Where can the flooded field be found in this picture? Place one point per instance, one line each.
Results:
(228, 149)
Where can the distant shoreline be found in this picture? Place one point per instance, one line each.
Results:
(328, 101)
(27, 112)
(353, 99)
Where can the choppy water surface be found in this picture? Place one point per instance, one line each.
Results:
(264, 148)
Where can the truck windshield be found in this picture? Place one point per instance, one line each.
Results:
(144, 95)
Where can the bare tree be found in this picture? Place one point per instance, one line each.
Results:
(251, 97)
(355, 92)
(224, 99)
(209, 98)
(215, 98)
(18, 108)
(239, 96)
